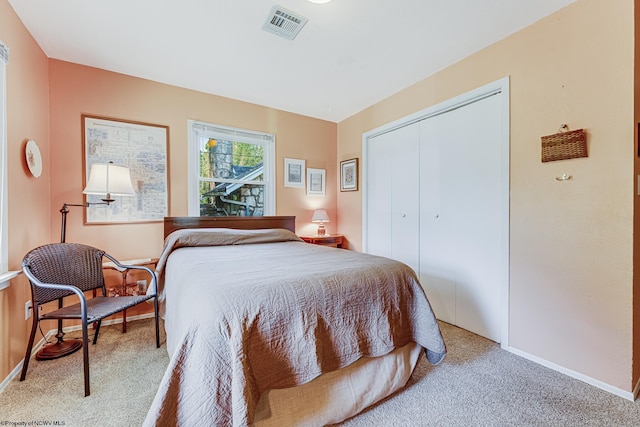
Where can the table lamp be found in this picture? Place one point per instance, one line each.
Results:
(320, 216)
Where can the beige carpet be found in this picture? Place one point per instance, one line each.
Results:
(126, 369)
(478, 384)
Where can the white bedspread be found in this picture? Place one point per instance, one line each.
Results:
(244, 317)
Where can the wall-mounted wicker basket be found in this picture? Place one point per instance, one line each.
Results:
(564, 145)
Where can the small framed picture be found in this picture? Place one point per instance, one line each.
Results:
(316, 181)
(349, 175)
(294, 173)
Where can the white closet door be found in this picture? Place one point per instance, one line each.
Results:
(392, 203)
(438, 264)
(405, 206)
(378, 209)
(461, 215)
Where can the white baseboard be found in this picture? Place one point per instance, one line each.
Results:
(37, 346)
(577, 375)
(11, 376)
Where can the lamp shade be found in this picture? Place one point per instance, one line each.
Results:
(320, 215)
(109, 179)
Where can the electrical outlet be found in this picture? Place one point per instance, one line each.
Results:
(142, 287)
(27, 310)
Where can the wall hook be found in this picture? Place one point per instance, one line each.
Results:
(564, 177)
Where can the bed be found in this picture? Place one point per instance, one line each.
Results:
(266, 330)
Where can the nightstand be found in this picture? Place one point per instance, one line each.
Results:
(333, 240)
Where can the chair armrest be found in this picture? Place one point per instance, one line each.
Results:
(59, 286)
(70, 288)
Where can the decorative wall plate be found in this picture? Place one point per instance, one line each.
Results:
(33, 157)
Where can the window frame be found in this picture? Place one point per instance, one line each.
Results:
(215, 131)
(5, 274)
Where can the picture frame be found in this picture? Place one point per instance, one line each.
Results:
(349, 175)
(294, 173)
(139, 146)
(316, 181)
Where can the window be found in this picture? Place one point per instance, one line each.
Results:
(4, 259)
(231, 171)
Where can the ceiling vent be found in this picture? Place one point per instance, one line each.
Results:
(284, 23)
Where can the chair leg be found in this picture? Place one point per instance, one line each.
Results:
(85, 356)
(155, 306)
(27, 355)
(95, 335)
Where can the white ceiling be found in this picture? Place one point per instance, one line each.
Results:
(350, 54)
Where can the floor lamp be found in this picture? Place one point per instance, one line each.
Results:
(108, 180)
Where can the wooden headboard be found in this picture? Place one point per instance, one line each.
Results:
(240, 222)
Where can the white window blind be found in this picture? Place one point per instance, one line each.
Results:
(231, 134)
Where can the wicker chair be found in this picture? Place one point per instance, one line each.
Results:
(61, 269)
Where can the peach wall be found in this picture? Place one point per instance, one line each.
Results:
(27, 118)
(77, 90)
(636, 201)
(571, 243)
(45, 101)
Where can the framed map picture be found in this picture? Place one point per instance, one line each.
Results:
(349, 175)
(141, 147)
